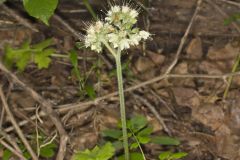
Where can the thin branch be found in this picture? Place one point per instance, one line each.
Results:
(15, 152)
(10, 140)
(154, 111)
(15, 125)
(184, 38)
(224, 15)
(47, 108)
(82, 106)
(231, 2)
(19, 18)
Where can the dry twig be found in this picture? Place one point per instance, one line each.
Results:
(184, 38)
(19, 18)
(15, 152)
(83, 106)
(154, 111)
(231, 2)
(48, 109)
(15, 125)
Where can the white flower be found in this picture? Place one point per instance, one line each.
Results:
(133, 13)
(96, 33)
(135, 39)
(117, 30)
(115, 9)
(144, 34)
(124, 44)
(125, 9)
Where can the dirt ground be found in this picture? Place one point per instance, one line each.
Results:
(182, 73)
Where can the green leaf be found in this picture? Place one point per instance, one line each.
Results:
(2, 1)
(232, 18)
(44, 44)
(23, 61)
(7, 154)
(42, 58)
(48, 151)
(90, 91)
(41, 9)
(178, 155)
(165, 155)
(137, 123)
(112, 133)
(134, 145)
(118, 145)
(22, 56)
(103, 153)
(146, 131)
(73, 58)
(165, 141)
(133, 156)
(143, 139)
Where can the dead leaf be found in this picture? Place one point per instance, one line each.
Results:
(194, 49)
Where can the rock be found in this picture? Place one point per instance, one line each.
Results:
(143, 64)
(209, 67)
(210, 115)
(158, 59)
(181, 68)
(194, 49)
(227, 53)
(186, 97)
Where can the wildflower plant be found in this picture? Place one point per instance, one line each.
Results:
(117, 32)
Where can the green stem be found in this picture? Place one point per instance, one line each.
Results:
(234, 69)
(122, 104)
(139, 145)
(90, 9)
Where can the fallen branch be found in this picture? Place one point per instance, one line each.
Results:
(47, 108)
(15, 125)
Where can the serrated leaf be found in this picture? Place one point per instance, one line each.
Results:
(165, 141)
(42, 58)
(106, 152)
(103, 153)
(41, 9)
(112, 133)
(26, 54)
(133, 156)
(178, 155)
(23, 61)
(165, 155)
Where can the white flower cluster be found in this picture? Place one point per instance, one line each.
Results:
(117, 30)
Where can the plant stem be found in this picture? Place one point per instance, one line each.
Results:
(139, 145)
(234, 69)
(122, 104)
(90, 9)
